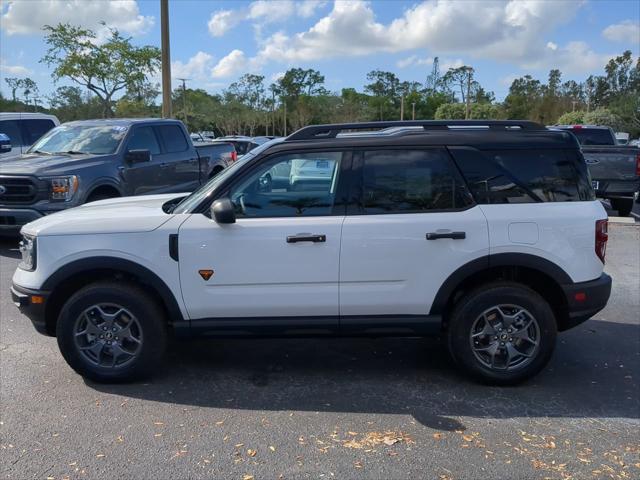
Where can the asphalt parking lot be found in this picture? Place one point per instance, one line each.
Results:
(344, 408)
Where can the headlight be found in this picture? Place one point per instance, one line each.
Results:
(29, 254)
(62, 188)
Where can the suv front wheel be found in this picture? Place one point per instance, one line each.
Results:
(112, 332)
(502, 333)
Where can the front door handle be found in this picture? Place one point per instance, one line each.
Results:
(453, 235)
(306, 237)
(165, 165)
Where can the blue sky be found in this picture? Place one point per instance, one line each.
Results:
(214, 42)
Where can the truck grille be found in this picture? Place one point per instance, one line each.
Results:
(15, 190)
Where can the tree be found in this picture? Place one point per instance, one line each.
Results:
(105, 69)
(462, 78)
(14, 85)
(384, 88)
(29, 87)
(524, 95)
(572, 118)
(603, 116)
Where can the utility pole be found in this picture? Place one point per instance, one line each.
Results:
(573, 103)
(413, 110)
(467, 110)
(184, 99)
(402, 108)
(285, 117)
(166, 59)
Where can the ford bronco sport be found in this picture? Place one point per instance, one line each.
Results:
(485, 232)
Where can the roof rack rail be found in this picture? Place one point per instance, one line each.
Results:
(333, 130)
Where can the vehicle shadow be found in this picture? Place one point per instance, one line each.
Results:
(9, 247)
(588, 377)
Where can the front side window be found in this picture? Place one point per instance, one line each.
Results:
(143, 138)
(290, 185)
(93, 139)
(411, 181)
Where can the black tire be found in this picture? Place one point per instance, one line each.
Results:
(151, 327)
(622, 205)
(469, 310)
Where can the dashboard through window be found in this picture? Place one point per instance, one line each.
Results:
(290, 185)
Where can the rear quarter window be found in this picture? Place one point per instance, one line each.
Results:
(525, 176)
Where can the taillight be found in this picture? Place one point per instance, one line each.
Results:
(601, 238)
(234, 156)
(638, 165)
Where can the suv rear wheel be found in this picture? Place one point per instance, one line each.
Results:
(502, 333)
(112, 332)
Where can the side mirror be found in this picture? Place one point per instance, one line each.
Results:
(223, 211)
(138, 156)
(5, 143)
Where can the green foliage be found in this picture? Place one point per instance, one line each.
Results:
(478, 111)
(603, 116)
(105, 68)
(572, 118)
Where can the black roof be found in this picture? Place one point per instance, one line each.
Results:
(481, 134)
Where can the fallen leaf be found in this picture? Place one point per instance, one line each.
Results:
(247, 477)
(272, 448)
(251, 453)
(437, 436)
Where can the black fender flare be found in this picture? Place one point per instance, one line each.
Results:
(473, 267)
(103, 182)
(87, 265)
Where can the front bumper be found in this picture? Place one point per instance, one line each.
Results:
(12, 219)
(585, 299)
(32, 304)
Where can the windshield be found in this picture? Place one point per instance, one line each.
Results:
(193, 200)
(96, 139)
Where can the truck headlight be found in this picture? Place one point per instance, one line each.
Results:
(29, 254)
(63, 188)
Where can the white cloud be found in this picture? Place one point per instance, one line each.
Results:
(234, 63)
(269, 11)
(414, 61)
(626, 31)
(307, 8)
(18, 70)
(197, 67)
(222, 21)
(262, 12)
(28, 17)
(511, 32)
(572, 58)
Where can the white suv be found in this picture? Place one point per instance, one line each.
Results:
(485, 232)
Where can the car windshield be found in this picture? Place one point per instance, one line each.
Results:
(192, 201)
(93, 139)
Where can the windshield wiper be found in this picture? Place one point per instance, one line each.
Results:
(73, 152)
(41, 152)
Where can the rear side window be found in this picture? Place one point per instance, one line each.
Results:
(12, 130)
(525, 176)
(411, 181)
(36, 128)
(173, 138)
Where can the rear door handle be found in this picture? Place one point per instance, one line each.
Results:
(305, 237)
(165, 165)
(453, 235)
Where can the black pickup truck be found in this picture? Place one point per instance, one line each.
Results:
(84, 161)
(615, 169)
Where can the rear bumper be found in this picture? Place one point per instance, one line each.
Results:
(617, 188)
(585, 299)
(23, 298)
(12, 219)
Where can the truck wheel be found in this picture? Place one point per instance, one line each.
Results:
(622, 205)
(502, 333)
(112, 332)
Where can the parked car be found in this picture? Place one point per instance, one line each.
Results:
(615, 169)
(85, 161)
(622, 138)
(485, 232)
(23, 129)
(243, 144)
